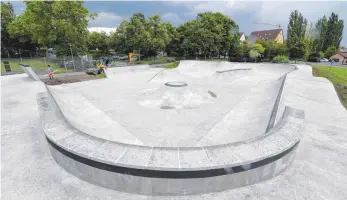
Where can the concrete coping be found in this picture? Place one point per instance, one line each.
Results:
(29, 71)
(281, 139)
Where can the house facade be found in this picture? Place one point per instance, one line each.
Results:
(340, 57)
(275, 34)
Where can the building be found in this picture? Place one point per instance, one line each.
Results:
(340, 57)
(242, 36)
(275, 34)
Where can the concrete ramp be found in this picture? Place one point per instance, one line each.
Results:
(113, 71)
(29, 71)
(84, 116)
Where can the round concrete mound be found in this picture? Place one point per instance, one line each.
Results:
(216, 146)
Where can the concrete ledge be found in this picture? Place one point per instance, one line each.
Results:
(29, 71)
(174, 171)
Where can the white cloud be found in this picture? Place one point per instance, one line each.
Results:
(173, 18)
(107, 30)
(106, 19)
(273, 12)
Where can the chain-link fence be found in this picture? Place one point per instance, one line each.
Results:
(74, 63)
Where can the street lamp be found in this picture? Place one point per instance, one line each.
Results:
(73, 62)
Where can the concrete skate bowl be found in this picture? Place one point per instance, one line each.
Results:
(143, 136)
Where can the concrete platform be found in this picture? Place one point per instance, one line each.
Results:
(29, 172)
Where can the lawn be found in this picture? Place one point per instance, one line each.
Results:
(171, 65)
(334, 74)
(36, 63)
(338, 76)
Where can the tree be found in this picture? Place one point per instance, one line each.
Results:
(334, 33)
(99, 42)
(330, 51)
(7, 16)
(296, 28)
(158, 35)
(272, 48)
(190, 43)
(246, 48)
(321, 28)
(297, 51)
(254, 54)
(173, 45)
(259, 48)
(138, 35)
(54, 24)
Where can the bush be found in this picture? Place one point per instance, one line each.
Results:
(314, 57)
(280, 59)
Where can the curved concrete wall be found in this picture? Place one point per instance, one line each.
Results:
(174, 171)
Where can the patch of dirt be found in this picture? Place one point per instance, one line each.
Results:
(59, 82)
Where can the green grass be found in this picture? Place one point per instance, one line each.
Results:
(338, 76)
(36, 63)
(171, 65)
(334, 74)
(102, 75)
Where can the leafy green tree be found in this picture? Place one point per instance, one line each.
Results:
(334, 32)
(330, 51)
(254, 54)
(296, 28)
(259, 48)
(236, 48)
(173, 47)
(190, 42)
(99, 42)
(7, 16)
(54, 24)
(272, 48)
(247, 47)
(138, 35)
(158, 34)
(297, 51)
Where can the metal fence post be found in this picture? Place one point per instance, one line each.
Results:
(82, 63)
(65, 64)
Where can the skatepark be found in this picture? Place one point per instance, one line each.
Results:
(214, 130)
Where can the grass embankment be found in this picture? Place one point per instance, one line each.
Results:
(338, 76)
(171, 65)
(37, 64)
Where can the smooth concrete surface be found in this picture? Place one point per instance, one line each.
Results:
(30, 72)
(160, 160)
(28, 170)
(137, 100)
(288, 132)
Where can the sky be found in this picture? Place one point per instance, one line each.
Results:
(245, 13)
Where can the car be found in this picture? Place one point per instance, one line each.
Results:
(324, 60)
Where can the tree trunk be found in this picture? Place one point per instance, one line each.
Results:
(205, 56)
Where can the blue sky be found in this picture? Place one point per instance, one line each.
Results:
(245, 13)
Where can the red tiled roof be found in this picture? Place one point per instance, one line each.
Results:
(344, 54)
(267, 34)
